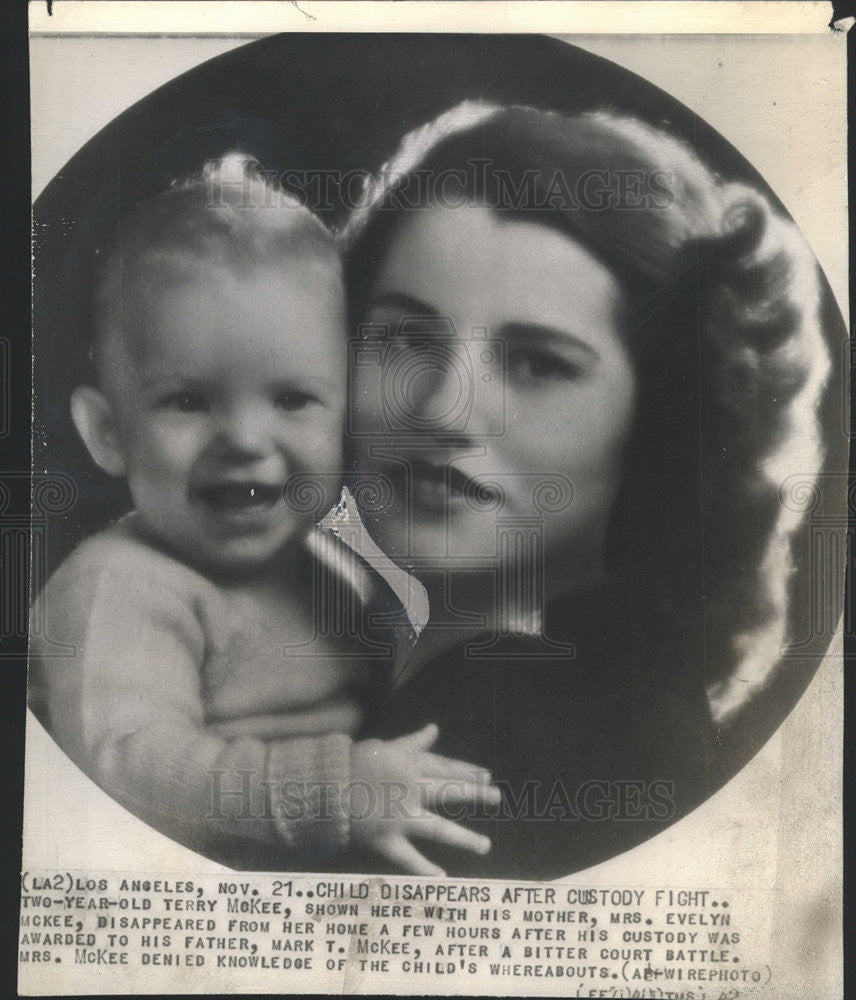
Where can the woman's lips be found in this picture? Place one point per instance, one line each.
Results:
(441, 487)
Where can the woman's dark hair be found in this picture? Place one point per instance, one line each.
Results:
(722, 324)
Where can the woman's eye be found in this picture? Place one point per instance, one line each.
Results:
(186, 402)
(542, 366)
(293, 400)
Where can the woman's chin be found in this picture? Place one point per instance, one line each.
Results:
(546, 559)
(439, 541)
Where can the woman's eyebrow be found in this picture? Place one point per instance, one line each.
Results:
(402, 303)
(547, 336)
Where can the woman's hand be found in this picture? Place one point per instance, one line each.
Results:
(402, 782)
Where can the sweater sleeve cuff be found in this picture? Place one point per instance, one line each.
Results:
(308, 779)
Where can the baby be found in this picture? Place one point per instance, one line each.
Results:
(220, 373)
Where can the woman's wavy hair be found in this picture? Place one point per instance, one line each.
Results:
(722, 322)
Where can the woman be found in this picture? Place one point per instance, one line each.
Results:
(585, 366)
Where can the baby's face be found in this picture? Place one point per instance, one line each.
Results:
(223, 388)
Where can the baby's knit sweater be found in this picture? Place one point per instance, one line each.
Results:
(208, 709)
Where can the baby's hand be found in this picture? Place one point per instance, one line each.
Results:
(402, 781)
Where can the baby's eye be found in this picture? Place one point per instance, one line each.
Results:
(533, 365)
(186, 402)
(293, 400)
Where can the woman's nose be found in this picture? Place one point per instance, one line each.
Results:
(437, 393)
(458, 390)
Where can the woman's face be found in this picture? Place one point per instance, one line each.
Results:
(508, 425)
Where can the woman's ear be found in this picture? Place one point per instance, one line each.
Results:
(95, 422)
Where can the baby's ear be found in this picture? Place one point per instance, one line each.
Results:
(95, 422)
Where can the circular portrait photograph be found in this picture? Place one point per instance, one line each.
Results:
(440, 449)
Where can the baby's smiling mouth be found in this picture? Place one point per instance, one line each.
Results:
(237, 497)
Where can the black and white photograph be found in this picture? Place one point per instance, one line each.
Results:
(439, 502)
